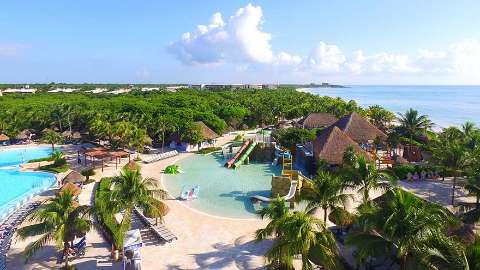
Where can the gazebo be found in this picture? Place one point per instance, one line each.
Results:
(118, 155)
(96, 153)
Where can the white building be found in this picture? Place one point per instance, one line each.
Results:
(97, 90)
(120, 91)
(175, 88)
(64, 90)
(149, 89)
(24, 90)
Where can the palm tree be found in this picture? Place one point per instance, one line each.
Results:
(380, 117)
(163, 125)
(412, 124)
(407, 228)
(52, 138)
(87, 173)
(60, 221)
(298, 233)
(367, 178)
(450, 155)
(131, 190)
(327, 193)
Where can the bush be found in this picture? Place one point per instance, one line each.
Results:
(60, 162)
(40, 159)
(208, 150)
(55, 169)
(239, 137)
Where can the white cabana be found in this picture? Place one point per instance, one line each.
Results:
(132, 244)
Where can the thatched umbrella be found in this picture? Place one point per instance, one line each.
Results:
(67, 134)
(74, 189)
(74, 177)
(341, 217)
(132, 166)
(24, 135)
(207, 133)
(76, 135)
(159, 210)
(4, 138)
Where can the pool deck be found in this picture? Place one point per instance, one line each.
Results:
(204, 241)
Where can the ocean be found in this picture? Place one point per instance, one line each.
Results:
(445, 105)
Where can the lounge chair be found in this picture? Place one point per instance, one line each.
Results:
(158, 229)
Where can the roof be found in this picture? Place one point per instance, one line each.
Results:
(331, 143)
(74, 177)
(318, 120)
(72, 187)
(207, 133)
(359, 128)
(4, 137)
(23, 135)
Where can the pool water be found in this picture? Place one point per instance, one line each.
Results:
(223, 192)
(16, 185)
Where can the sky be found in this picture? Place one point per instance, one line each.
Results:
(431, 42)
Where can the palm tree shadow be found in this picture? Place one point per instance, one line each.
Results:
(245, 197)
(243, 255)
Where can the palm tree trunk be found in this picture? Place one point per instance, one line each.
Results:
(325, 215)
(66, 252)
(454, 186)
(53, 147)
(163, 140)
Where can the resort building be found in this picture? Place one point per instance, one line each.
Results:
(175, 88)
(360, 129)
(149, 89)
(24, 90)
(318, 120)
(209, 138)
(330, 145)
(97, 90)
(64, 90)
(120, 91)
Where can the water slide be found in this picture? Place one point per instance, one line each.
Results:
(237, 155)
(290, 194)
(245, 155)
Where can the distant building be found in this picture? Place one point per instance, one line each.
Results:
(64, 90)
(97, 90)
(149, 89)
(269, 86)
(120, 91)
(24, 90)
(175, 88)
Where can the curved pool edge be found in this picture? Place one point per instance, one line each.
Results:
(162, 175)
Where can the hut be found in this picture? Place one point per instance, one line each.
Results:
(24, 135)
(73, 177)
(359, 129)
(4, 139)
(318, 120)
(209, 137)
(330, 145)
(74, 189)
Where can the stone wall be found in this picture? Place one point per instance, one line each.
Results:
(280, 186)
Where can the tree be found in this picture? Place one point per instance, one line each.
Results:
(162, 126)
(409, 229)
(297, 233)
(367, 178)
(131, 190)
(52, 138)
(87, 173)
(290, 137)
(327, 193)
(380, 117)
(412, 125)
(60, 220)
(450, 155)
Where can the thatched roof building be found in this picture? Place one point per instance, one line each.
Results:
(73, 177)
(318, 120)
(4, 138)
(359, 129)
(331, 144)
(74, 189)
(23, 135)
(206, 132)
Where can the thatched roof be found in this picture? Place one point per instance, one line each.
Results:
(359, 129)
(207, 133)
(318, 120)
(72, 187)
(67, 134)
(24, 135)
(331, 144)
(76, 135)
(4, 137)
(132, 165)
(74, 177)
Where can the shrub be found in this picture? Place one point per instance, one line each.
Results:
(208, 150)
(40, 159)
(239, 137)
(401, 171)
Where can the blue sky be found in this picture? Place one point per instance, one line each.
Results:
(346, 42)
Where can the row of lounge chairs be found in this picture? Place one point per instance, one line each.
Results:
(158, 229)
(158, 157)
(8, 227)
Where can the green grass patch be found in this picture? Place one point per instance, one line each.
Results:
(40, 159)
(208, 150)
(55, 168)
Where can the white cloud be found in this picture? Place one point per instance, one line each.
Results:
(326, 58)
(239, 40)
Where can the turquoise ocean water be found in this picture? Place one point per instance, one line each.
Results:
(17, 186)
(445, 105)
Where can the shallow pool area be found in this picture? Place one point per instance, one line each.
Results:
(17, 186)
(223, 192)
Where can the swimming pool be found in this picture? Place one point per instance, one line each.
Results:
(223, 192)
(18, 186)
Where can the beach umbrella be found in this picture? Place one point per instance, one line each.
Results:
(4, 137)
(159, 210)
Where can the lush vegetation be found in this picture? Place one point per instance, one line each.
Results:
(125, 120)
(60, 220)
(290, 137)
(124, 193)
(59, 164)
(208, 150)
